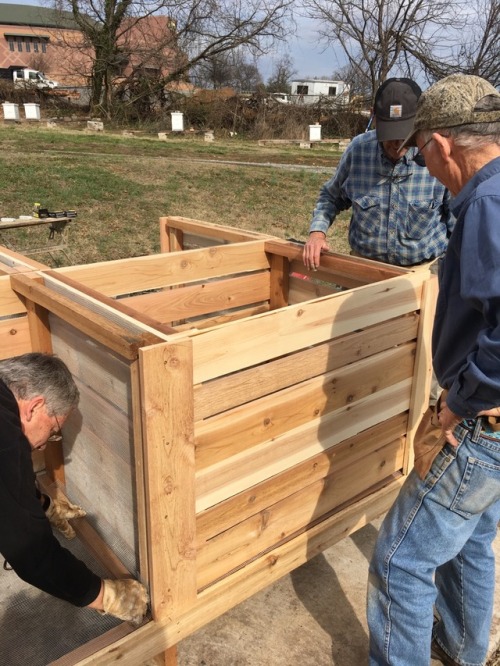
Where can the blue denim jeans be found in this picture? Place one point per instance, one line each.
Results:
(434, 550)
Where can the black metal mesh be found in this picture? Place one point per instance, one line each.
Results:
(36, 628)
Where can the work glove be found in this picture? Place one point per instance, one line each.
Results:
(429, 439)
(126, 599)
(59, 512)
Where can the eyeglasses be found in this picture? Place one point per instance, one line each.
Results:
(419, 157)
(56, 434)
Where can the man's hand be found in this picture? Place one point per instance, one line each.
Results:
(126, 599)
(316, 243)
(59, 512)
(494, 411)
(448, 421)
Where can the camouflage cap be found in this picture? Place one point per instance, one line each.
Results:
(459, 99)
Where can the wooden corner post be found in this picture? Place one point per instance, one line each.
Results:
(422, 372)
(166, 373)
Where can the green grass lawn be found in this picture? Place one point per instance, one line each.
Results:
(120, 186)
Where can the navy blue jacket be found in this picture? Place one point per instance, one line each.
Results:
(466, 335)
(26, 538)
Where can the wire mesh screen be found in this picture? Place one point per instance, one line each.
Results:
(35, 628)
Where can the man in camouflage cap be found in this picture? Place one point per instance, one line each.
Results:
(434, 546)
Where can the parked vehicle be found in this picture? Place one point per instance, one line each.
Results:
(25, 77)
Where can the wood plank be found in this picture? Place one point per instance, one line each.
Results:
(423, 362)
(97, 367)
(102, 642)
(155, 637)
(125, 276)
(248, 468)
(100, 551)
(279, 281)
(328, 276)
(167, 422)
(267, 418)
(220, 232)
(288, 517)
(170, 238)
(99, 436)
(41, 341)
(14, 262)
(97, 306)
(305, 290)
(246, 343)
(234, 315)
(112, 303)
(10, 302)
(107, 495)
(226, 514)
(14, 337)
(223, 393)
(342, 264)
(140, 482)
(92, 323)
(207, 297)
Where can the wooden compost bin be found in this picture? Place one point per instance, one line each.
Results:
(237, 415)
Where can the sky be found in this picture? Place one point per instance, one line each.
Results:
(310, 61)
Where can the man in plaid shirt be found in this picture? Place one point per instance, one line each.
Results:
(400, 213)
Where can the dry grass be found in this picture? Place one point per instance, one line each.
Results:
(121, 186)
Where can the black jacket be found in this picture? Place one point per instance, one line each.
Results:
(26, 539)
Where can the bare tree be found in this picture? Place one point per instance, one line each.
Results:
(379, 35)
(282, 75)
(231, 69)
(194, 31)
(474, 48)
(358, 80)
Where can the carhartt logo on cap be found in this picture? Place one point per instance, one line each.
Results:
(396, 111)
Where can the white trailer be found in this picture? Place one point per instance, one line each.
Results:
(310, 91)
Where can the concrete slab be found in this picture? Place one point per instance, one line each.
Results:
(315, 616)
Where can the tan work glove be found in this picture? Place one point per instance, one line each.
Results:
(429, 439)
(126, 599)
(59, 512)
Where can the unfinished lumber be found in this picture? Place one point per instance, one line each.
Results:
(235, 419)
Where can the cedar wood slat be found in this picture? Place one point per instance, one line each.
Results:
(41, 341)
(248, 468)
(222, 393)
(269, 417)
(166, 379)
(200, 299)
(249, 342)
(281, 520)
(423, 361)
(125, 276)
(94, 324)
(223, 233)
(155, 637)
(223, 318)
(239, 507)
(14, 337)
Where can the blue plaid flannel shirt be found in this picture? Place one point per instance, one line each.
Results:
(400, 213)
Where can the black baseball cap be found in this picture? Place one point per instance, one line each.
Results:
(395, 108)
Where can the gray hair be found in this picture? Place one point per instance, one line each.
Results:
(36, 374)
(473, 136)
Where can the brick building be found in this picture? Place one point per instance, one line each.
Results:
(50, 41)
